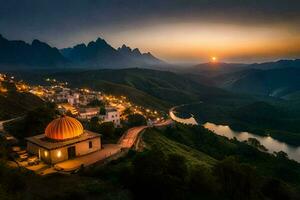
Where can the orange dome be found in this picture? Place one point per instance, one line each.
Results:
(64, 128)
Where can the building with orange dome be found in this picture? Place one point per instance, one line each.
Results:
(64, 139)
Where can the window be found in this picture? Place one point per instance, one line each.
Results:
(90, 144)
(58, 153)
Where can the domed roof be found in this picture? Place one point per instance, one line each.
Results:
(64, 128)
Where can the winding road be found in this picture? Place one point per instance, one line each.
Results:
(131, 136)
(9, 120)
(190, 121)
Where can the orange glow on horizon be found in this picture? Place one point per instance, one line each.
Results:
(214, 59)
(193, 41)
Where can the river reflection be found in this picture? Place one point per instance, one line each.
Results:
(271, 144)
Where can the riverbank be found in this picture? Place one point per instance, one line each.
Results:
(272, 144)
(259, 118)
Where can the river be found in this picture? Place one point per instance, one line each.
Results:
(270, 143)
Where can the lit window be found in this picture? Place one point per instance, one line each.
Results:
(59, 154)
(46, 153)
(90, 144)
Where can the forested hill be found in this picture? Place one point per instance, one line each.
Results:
(163, 85)
(282, 82)
(14, 103)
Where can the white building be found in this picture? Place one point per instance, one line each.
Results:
(88, 113)
(73, 99)
(112, 115)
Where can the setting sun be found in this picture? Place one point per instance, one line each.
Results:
(214, 59)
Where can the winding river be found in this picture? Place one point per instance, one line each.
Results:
(270, 143)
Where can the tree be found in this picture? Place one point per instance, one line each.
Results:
(202, 183)
(107, 129)
(34, 123)
(94, 124)
(102, 110)
(255, 143)
(96, 102)
(176, 166)
(281, 155)
(237, 180)
(275, 189)
(159, 176)
(136, 120)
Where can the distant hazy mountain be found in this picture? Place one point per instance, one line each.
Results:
(214, 69)
(276, 65)
(278, 82)
(136, 56)
(99, 54)
(37, 54)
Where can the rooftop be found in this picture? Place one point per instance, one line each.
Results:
(43, 141)
(111, 109)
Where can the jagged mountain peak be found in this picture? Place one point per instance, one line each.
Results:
(38, 43)
(95, 54)
(81, 45)
(136, 51)
(124, 48)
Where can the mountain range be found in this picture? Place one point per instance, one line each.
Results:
(212, 69)
(100, 54)
(277, 82)
(16, 54)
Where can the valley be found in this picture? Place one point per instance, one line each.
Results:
(150, 100)
(196, 151)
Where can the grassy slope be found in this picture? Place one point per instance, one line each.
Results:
(199, 145)
(14, 104)
(154, 138)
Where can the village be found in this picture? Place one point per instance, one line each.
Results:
(66, 146)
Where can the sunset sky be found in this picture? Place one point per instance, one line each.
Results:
(174, 30)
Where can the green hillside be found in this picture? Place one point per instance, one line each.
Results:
(179, 162)
(156, 139)
(135, 95)
(167, 86)
(210, 148)
(14, 103)
(221, 160)
(272, 82)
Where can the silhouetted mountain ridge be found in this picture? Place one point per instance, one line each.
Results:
(37, 54)
(17, 54)
(277, 64)
(99, 54)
